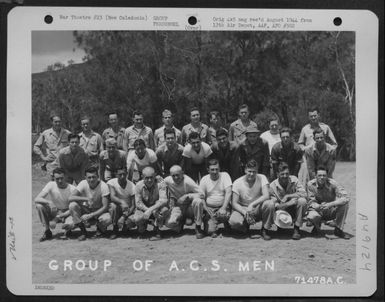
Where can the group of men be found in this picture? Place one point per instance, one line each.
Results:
(129, 178)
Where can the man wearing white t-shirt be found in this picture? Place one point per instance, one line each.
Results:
(217, 190)
(251, 202)
(122, 194)
(140, 158)
(272, 136)
(90, 203)
(52, 204)
(195, 155)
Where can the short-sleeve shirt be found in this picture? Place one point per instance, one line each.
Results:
(118, 136)
(92, 145)
(214, 190)
(167, 158)
(187, 186)
(122, 193)
(197, 158)
(271, 139)
(110, 164)
(159, 136)
(292, 155)
(203, 131)
(94, 195)
(148, 159)
(237, 130)
(131, 134)
(331, 191)
(294, 186)
(306, 137)
(146, 197)
(246, 193)
(57, 195)
(51, 142)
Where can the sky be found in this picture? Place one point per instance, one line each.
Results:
(49, 47)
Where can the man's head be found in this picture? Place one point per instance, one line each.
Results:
(214, 118)
(59, 178)
(319, 137)
(170, 137)
(137, 119)
(111, 146)
(74, 141)
(222, 138)
(243, 112)
(285, 135)
(148, 176)
(314, 116)
(140, 147)
(195, 116)
(92, 177)
(85, 122)
(56, 122)
(321, 176)
(195, 141)
(113, 119)
(274, 125)
(167, 118)
(252, 134)
(121, 174)
(251, 170)
(283, 173)
(177, 174)
(213, 168)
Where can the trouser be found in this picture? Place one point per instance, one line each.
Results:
(156, 217)
(211, 222)
(117, 215)
(303, 173)
(178, 214)
(50, 166)
(102, 221)
(46, 214)
(337, 213)
(263, 211)
(298, 210)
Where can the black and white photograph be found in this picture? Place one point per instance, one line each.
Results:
(213, 156)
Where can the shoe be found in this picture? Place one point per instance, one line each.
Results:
(265, 234)
(214, 235)
(199, 233)
(82, 237)
(66, 235)
(317, 232)
(114, 233)
(98, 234)
(340, 233)
(157, 235)
(46, 236)
(296, 233)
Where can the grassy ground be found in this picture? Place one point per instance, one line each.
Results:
(304, 258)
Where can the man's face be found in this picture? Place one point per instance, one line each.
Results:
(177, 176)
(313, 117)
(121, 175)
(274, 126)
(243, 114)
(170, 140)
(252, 137)
(167, 119)
(60, 180)
(56, 123)
(140, 151)
(111, 149)
(138, 120)
(195, 116)
(284, 176)
(214, 171)
(214, 120)
(85, 125)
(321, 176)
(222, 141)
(285, 138)
(319, 139)
(196, 144)
(92, 179)
(149, 178)
(251, 174)
(113, 120)
(74, 143)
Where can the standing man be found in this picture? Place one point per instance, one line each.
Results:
(122, 194)
(136, 131)
(320, 153)
(89, 204)
(215, 125)
(114, 131)
(52, 204)
(289, 195)
(90, 141)
(328, 200)
(216, 188)
(237, 131)
(250, 201)
(159, 135)
(169, 153)
(254, 147)
(49, 144)
(196, 126)
(110, 160)
(272, 136)
(227, 154)
(186, 201)
(195, 156)
(73, 160)
(286, 151)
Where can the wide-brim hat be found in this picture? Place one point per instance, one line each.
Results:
(283, 219)
(252, 129)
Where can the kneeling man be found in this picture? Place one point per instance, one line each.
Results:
(217, 190)
(52, 204)
(289, 195)
(328, 200)
(251, 202)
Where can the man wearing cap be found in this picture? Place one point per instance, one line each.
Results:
(137, 131)
(73, 160)
(289, 195)
(90, 141)
(110, 160)
(238, 128)
(253, 147)
(52, 204)
(196, 126)
(50, 142)
(328, 200)
(159, 135)
(114, 131)
(250, 201)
